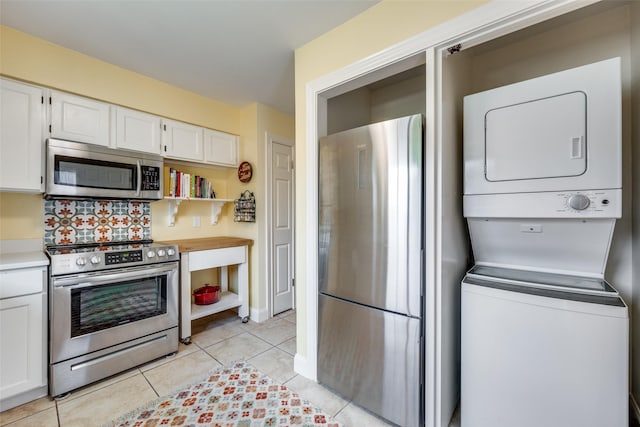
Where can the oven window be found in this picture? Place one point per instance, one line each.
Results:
(101, 307)
(78, 172)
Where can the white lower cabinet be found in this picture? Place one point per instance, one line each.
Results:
(21, 129)
(220, 148)
(23, 336)
(137, 131)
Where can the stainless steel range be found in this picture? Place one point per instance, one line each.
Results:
(111, 308)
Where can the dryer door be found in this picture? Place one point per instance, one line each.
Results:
(543, 138)
(558, 132)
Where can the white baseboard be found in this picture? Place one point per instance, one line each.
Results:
(259, 315)
(302, 366)
(635, 407)
(22, 398)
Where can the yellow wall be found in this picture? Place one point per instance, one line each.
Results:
(378, 28)
(37, 61)
(21, 216)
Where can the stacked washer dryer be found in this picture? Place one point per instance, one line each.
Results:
(544, 336)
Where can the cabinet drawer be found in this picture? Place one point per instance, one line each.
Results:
(212, 258)
(22, 282)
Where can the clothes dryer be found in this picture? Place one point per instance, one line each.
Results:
(544, 336)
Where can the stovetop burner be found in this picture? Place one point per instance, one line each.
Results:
(82, 258)
(97, 247)
(101, 244)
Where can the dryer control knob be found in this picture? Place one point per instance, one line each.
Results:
(579, 202)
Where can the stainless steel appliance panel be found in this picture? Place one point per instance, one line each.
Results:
(370, 215)
(63, 345)
(85, 369)
(76, 169)
(372, 357)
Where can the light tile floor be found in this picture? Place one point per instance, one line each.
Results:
(218, 340)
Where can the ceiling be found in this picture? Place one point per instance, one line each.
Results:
(233, 51)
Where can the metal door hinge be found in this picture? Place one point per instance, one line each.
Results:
(49, 100)
(293, 283)
(164, 127)
(454, 49)
(42, 99)
(41, 179)
(292, 165)
(49, 128)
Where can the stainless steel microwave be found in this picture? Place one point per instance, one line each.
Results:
(83, 170)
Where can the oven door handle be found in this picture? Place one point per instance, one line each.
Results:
(83, 281)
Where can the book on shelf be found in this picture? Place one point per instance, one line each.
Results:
(189, 186)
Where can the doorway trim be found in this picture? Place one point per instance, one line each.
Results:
(269, 140)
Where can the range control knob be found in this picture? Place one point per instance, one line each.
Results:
(579, 202)
(81, 261)
(171, 252)
(95, 260)
(161, 252)
(151, 254)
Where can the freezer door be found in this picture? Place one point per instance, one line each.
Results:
(371, 357)
(370, 215)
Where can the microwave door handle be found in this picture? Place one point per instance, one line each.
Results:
(139, 180)
(106, 279)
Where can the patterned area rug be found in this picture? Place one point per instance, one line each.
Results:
(234, 396)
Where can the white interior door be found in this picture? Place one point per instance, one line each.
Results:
(281, 249)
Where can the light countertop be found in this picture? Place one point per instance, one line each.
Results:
(206, 243)
(22, 254)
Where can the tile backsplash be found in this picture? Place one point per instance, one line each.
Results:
(68, 222)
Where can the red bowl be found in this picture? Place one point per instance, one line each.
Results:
(206, 295)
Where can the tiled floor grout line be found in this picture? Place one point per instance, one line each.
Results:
(253, 332)
(150, 385)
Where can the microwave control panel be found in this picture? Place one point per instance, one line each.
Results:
(150, 178)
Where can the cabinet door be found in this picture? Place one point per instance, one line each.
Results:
(220, 148)
(22, 119)
(137, 131)
(182, 141)
(79, 119)
(22, 344)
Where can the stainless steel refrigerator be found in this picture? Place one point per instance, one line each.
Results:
(370, 329)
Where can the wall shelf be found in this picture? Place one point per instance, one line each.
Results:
(174, 203)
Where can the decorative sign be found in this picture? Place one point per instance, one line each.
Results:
(245, 208)
(245, 171)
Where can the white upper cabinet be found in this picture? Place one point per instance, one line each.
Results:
(22, 120)
(182, 141)
(79, 119)
(137, 131)
(220, 148)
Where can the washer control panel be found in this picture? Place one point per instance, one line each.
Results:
(561, 204)
(587, 202)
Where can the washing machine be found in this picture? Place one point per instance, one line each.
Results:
(542, 349)
(544, 337)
